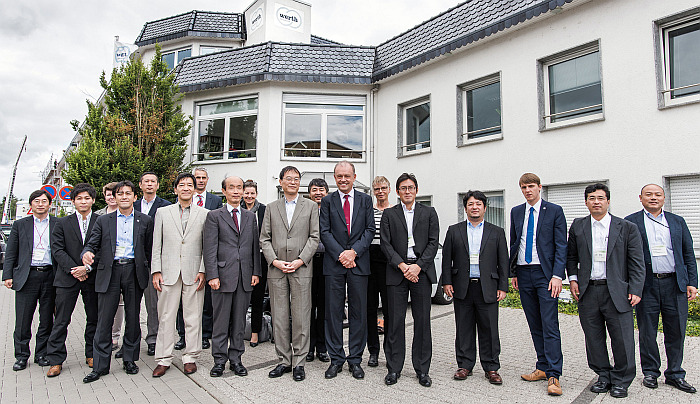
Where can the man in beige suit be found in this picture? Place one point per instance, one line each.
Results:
(289, 238)
(177, 270)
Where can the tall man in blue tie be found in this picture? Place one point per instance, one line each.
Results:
(538, 262)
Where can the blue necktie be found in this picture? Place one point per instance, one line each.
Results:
(530, 235)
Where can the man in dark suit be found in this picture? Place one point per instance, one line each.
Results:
(409, 240)
(208, 201)
(475, 272)
(123, 242)
(69, 237)
(538, 263)
(149, 204)
(29, 271)
(232, 265)
(347, 229)
(606, 272)
(671, 282)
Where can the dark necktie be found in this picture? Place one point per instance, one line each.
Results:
(346, 210)
(234, 214)
(530, 235)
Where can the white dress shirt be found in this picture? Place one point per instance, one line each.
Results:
(290, 206)
(408, 215)
(660, 247)
(599, 234)
(203, 197)
(41, 253)
(351, 200)
(83, 224)
(474, 236)
(230, 208)
(146, 206)
(523, 236)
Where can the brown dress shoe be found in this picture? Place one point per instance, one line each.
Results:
(54, 371)
(462, 374)
(534, 376)
(494, 377)
(88, 361)
(553, 387)
(160, 370)
(190, 368)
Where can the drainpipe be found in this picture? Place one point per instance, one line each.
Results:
(373, 134)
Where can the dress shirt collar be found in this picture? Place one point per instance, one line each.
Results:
(351, 194)
(230, 208)
(80, 217)
(44, 220)
(536, 206)
(481, 224)
(659, 218)
(120, 214)
(406, 209)
(151, 201)
(294, 201)
(605, 221)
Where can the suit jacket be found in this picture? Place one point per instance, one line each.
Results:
(158, 203)
(682, 243)
(334, 233)
(66, 245)
(177, 253)
(211, 201)
(394, 240)
(551, 238)
(230, 253)
(280, 240)
(103, 243)
(18, 251)
(624, 260)
(493, 261)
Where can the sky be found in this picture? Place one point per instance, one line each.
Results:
(54, 52)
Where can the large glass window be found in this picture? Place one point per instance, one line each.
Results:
(574, 87)
(233, 123)
(417, 126)
(683, 59)
(483, 108)
(322, 127)
(173, 58)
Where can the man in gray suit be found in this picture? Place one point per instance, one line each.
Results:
(606, 269)
(232, 265)
(289, 238)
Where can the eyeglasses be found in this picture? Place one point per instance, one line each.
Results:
(292, 179)
(384, 188)
(409, 188)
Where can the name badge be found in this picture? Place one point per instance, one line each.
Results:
(658, 250)
(120, 252)
(473, 258)
(38, 254)
(599, 255)
(411, 242)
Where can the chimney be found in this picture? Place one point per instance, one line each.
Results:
(278, 21)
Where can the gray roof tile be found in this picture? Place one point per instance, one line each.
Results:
(194, 23)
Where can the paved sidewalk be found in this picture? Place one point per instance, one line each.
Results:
(517, 356)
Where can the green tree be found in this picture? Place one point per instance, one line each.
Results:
(137, 126)
(13, 207)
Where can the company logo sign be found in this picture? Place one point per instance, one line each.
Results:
(289, 17)
(257, 19)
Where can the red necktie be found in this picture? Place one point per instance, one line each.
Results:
(235, 218)
(200, 202)
(346, 210)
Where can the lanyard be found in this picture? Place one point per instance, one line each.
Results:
(41, 236)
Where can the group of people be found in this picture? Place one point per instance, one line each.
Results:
(201, 265)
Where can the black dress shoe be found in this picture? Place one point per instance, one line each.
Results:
(618, 391)
(41, 361)
(94, 376)
(333, 371)
(205, 343)
(299, 374)
(310, 357)
(279, 370)
(357, 371)
(373, 361)
(323, 356)
(130, 368)
(650, 382)
(253, 344)
(217, 370)
(120, 353)
(424, 380)
(600, 387)
(391, 378)
(180, 344)
(20, 364)
(151, 349)
(681, 385)
(239, 369)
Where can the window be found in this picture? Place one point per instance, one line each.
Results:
(573, 88)
(426, 200)
(233, 123)
(324, 126)
(684, 200)
(415, 126)
(481, 108)
(206, 50)
(680, 42)
(495, 208)
(175, 57)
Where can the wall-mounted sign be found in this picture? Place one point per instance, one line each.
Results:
(257, 18)
(289, 17)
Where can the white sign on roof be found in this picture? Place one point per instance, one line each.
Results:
(289, 17)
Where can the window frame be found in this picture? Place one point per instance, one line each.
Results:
(220, 49)
(663, 62)
(176, 52)
(227, 128)
(543, 65)
(462, 119)
(403, 127)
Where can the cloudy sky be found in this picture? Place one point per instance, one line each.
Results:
(54, 51)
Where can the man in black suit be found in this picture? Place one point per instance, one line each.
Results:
(149, 204)
(475, 272)
(123, 241)
(606, 272)
(29, 270)
(347, 229)
(538, 265)
(671, 282)
(409, 240)
(69, 237)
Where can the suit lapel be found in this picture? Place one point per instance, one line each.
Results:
(73, 223)
(355, 210)
(402, 215)
(675, 231)
(613, 234)
(484, 236)
(137, 226)
(228, 218)
(417, 212)
(91, 225)
(193, 216)
(113, 231)
(243, 223)
(540, 216)
(587, 235)
(29, 233)
(282, 210)
(297, 211)
(177, 220)
(643, 228)
(464, 235)
(339, 207)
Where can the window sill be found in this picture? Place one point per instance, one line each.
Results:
(573, 122)
(240, 160)
(484, 139)
(679, 102)
(320, 159)
(415, 152)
